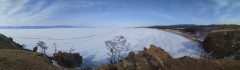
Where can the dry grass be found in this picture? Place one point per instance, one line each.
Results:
(11, 59)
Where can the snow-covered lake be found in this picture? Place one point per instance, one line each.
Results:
(90, 42)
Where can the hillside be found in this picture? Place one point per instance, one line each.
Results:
(8, 43)
(13, 57)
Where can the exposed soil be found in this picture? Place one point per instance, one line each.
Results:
(188, 63)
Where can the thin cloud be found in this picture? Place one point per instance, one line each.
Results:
(14, 13)
(230, 15)
(108, 12)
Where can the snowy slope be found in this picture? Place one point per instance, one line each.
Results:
(90, 41)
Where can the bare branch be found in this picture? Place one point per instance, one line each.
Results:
(116, 48)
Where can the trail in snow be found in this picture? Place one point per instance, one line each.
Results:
(90, 41)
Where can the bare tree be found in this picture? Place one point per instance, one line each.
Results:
(71, 50)
(55, 47)
(116, 48)
(43, 46)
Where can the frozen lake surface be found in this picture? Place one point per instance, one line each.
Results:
(90, 42)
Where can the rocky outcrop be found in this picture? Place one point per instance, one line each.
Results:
(155, 58)
(8, 43)
(148, 59)
(69, 60)
(223, 44)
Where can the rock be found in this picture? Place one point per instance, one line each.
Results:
(128, 63)
(10, 39)
(69, 60)
(155, 58)
(148, 59)
(159, 53)
(8, 43)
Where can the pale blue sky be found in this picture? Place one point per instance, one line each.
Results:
(118, 13)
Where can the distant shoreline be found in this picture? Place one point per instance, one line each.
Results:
(177, 32)
(39, 27)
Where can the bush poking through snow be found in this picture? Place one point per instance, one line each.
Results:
(55, 47)
(35, 49)
(71, 50)
(116, 47)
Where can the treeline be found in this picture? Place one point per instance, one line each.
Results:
(193, 26)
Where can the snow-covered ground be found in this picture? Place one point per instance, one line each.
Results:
(90, 42)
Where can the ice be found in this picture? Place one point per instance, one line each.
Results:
(90, 41)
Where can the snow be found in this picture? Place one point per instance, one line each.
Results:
(90, 41)
(55, 63)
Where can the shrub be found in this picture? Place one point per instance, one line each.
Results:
(43, 46)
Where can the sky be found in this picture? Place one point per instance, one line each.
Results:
(118, 13)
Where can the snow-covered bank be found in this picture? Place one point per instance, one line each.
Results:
(90, 41)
